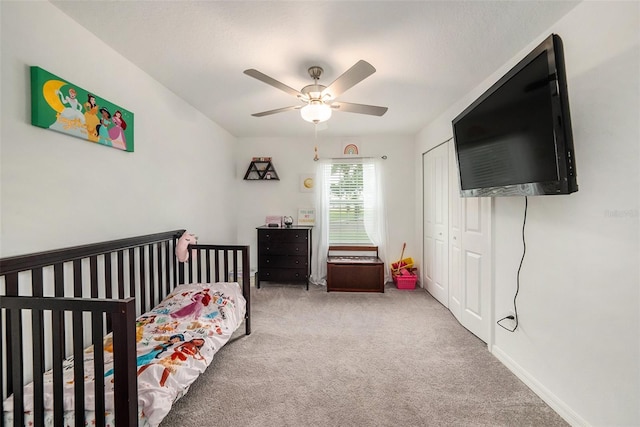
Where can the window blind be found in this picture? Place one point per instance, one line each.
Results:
(347, 209)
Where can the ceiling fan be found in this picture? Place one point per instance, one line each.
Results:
(318, 100)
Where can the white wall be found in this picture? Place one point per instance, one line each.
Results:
(294, 156)
(578, 343)
(57, 190)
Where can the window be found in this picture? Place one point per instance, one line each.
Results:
(350, 209)
(347, 209)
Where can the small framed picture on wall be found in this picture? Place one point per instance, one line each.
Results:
(306, 216)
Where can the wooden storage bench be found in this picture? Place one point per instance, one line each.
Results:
(354, 273)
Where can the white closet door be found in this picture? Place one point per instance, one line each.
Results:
(436, 222)
(476, 261)
(455, 237)
(457, 243)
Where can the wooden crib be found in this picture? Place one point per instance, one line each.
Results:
(77, 295)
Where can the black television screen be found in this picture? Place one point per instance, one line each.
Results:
(516, 138)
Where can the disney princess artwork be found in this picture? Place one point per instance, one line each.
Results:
(60, 106)
(198, 301)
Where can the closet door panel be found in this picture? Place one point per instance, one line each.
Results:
(472, 286)
(476, 273)
(436, 222)
(455, 240)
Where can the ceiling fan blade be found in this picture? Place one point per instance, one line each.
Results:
(354, 75)
(271, 81)
(277, 110)
(372, 110)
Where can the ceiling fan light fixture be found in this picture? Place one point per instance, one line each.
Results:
(316, 112)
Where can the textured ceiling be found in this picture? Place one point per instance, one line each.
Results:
(427, 54)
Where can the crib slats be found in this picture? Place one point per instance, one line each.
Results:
(124, 364)
(13, 372)
(246, 288)
(58, 356)
(58, 279)
(152, 278)
(226, 266)
(98, 365)
(37, 328)
(217, 262)
(108, 284)
(175, 263)
(160, 282)
(143, 281)
(93, 274)
(77, 331)
(235, 267)
(167, 269)
(120, 274)
(232, 255)
(77, 278)
(78, 368)
(107, 276)
(198, 257)
(11, 286)
(17, 372)
(180, 273)
(132, 273)
(38, 367)
(208, 265)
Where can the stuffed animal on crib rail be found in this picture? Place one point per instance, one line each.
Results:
(182, 248)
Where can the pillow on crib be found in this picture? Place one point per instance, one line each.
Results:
(182, 247)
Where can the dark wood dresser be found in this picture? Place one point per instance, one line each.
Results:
(284, 255)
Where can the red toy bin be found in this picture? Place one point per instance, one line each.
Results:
(407, 281)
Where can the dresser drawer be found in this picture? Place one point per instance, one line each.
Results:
(282, 235)
(283, 261)
(282, 274)
(274, 248)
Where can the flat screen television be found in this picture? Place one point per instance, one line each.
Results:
(516, 138)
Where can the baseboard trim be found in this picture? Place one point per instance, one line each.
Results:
(557, 404)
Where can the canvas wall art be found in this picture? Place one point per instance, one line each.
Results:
(61, 106)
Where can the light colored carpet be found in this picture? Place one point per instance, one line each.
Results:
(356, 359)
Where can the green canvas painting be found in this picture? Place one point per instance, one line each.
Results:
(59, 105)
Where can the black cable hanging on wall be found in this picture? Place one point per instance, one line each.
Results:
(524, 251)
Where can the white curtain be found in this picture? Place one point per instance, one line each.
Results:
(375, 217)
(320, 230)
(375, 220)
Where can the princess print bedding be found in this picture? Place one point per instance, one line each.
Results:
(176, 341)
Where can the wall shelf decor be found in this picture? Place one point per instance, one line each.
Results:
(261, 168)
